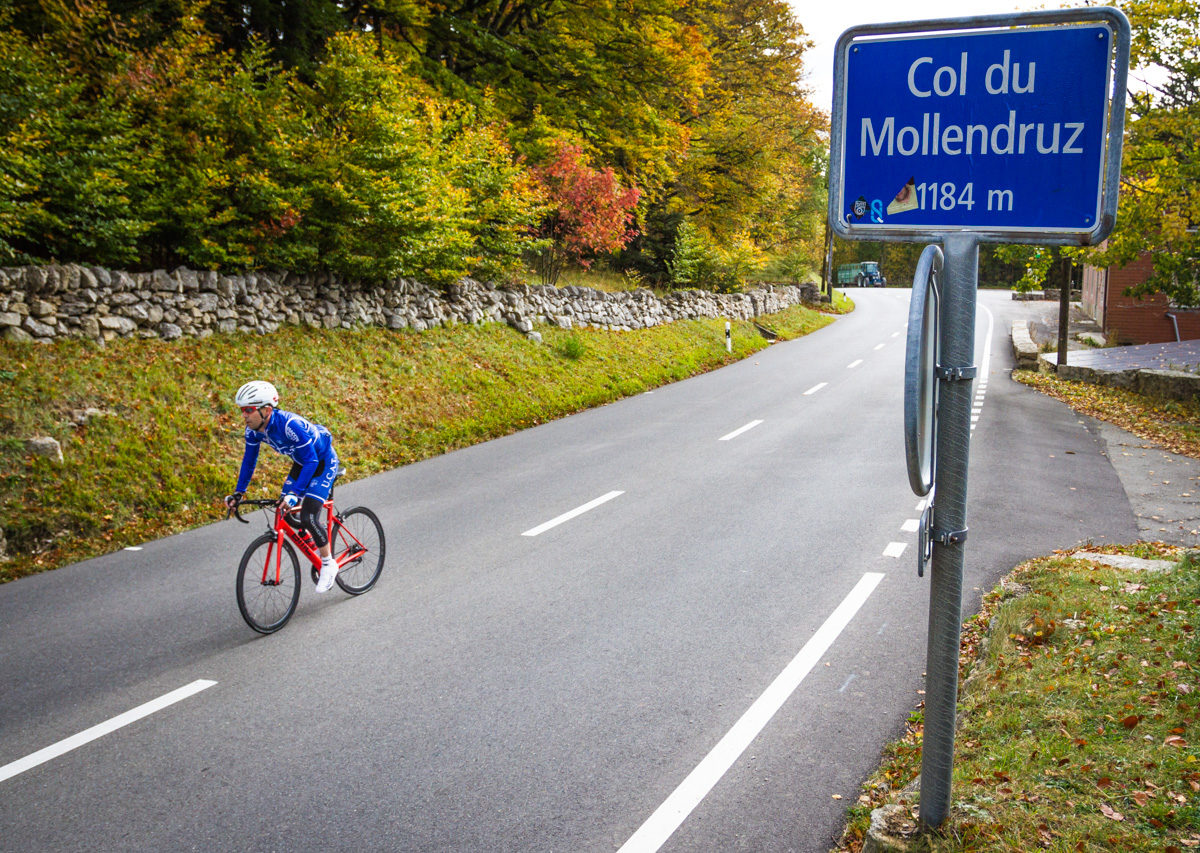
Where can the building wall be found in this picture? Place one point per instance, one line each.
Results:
(1092, 293)
(1138, 321)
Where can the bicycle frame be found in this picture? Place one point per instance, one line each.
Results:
(333, 526)
(284, 529)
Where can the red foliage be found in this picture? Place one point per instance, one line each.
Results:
(589, 211)
(276, 228)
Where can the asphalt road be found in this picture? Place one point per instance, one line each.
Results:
(708, 659)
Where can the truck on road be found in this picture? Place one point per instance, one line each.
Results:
(861, 274)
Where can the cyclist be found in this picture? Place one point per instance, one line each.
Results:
(315, 464)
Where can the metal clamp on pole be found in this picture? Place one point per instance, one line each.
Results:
(949, 537)
(954, 374)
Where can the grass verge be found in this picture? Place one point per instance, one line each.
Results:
(167, 441)
(1079, 715)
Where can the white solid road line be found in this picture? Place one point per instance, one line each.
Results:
(815, 388)
(666, 819)
(567, 516)
(982, 373)
(107, 727)
(731, 435)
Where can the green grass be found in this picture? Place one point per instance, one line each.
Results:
(596, 278)
(1079, 716)
(167, 449)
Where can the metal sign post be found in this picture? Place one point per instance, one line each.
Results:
(949, 534)
(1002, 129)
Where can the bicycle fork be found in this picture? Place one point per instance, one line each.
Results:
(274, 555)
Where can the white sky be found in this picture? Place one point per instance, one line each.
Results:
(825, 20)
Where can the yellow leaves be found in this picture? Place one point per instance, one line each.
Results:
(1035, 630)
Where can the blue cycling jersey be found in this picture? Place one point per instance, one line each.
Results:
(304, 442)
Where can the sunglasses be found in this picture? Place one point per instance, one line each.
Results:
(248, 409)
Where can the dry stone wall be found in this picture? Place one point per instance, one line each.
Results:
(50, 302)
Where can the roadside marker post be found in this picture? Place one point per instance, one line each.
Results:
(961, 131)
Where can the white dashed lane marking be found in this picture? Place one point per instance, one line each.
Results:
(567, 516)
(981, 381)
(100, 730)
(732, 435)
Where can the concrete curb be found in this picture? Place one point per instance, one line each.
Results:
(893, 830)
(1024, 349)
(1162, 384)
(1124, 561)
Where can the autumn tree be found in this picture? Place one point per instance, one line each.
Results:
(588, 212)
(613, 77)
(753, 116)
(140, 153)
(387, 136)
(1159, 206)
(68, 161)
(756, 156)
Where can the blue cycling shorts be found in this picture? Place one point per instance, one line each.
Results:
(322, 482)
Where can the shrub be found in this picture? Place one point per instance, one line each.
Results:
(572, 348)
(588, 213)
(179, 153)
(698, 262)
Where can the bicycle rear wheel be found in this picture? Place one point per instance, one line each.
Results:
(359, 547)
(268, 584)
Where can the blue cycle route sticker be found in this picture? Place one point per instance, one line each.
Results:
(1000, 130)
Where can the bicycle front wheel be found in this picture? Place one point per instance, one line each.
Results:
(359, 548)
(268, 584)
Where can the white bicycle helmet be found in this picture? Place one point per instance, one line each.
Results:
(257, 394)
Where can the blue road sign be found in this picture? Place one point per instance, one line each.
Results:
(1002, 131)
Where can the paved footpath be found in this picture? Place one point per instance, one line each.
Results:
(1163, 487)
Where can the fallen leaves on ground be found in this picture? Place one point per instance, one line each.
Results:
(1169, 423)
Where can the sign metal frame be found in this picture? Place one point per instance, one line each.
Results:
(1112, 135)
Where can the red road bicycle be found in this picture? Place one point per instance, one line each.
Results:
(268, 579)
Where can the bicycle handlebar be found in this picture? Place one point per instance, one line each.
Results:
(234, 511)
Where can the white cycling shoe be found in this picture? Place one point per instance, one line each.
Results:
(329, 570)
